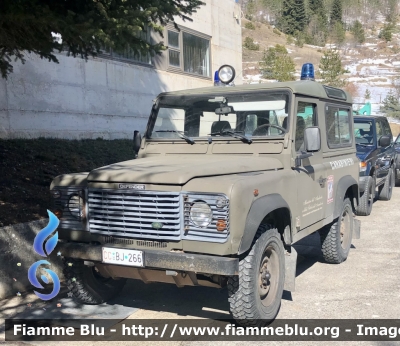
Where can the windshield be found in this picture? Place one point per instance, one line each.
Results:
(364, 133)
(234, 114)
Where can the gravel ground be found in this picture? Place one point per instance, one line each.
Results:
(366, 286)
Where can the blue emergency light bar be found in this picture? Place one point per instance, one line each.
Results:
(307, 72)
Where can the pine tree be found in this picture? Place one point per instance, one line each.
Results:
(337, 12)
(367, 95)
(338, 34)
(293, 18)
(386, 32)
(85, 26)
(391, 106)
(277, 64)
(316, 6)
(317, 31)
(300, 15)
(331, 69)
(358, 32)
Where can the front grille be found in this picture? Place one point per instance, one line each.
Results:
(112, 240)
(135, 214)
(155, 244)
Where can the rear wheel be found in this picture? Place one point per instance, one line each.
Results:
(367, 199)
(87, 285)
(385, 190)
(255, 294)
(336, 238)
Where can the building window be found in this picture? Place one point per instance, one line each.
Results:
(338, 126)
(189, 53)
(128, 54)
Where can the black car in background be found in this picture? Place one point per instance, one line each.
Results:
(375, 149)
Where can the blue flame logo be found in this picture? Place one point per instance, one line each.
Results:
(44, 244)
(45, 233)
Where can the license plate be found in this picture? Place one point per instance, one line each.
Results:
(123, 257)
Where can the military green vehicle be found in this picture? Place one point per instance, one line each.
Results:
(225, 181)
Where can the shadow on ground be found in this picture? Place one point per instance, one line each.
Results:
(202, 302)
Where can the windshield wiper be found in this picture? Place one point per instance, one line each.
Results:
(180, 134)
(364, 145)
(233, 134)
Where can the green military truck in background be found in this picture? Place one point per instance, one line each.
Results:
(225, 181)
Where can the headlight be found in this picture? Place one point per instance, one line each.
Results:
(363, 166)
(201, 214)
(75, 206)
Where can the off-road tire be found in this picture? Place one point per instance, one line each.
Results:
(397, 177)
(385, 190)
(246, 304)
(87, 286)
(333, 249)
(367, 199)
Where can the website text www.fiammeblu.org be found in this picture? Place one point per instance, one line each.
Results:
(201, 329)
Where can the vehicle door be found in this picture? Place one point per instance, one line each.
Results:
(383, 159)
(311, 175)
(339, 153)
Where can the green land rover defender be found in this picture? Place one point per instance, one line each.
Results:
(225, 181)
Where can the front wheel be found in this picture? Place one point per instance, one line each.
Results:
(367, 199)
(385, 190)
(87, 285)
(255, 294)
(336, 238)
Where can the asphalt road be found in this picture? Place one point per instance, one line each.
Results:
(366, 286)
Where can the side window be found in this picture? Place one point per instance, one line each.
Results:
(306, 117)
(338, 126)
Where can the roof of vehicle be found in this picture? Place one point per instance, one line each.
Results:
(308, 88)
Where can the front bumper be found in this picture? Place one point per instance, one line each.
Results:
(159, 259)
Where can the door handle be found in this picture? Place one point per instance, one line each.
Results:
(322, 181)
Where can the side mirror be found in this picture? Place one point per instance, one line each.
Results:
(312, 139)
(137, 141)
(312, 143)
(384, 141)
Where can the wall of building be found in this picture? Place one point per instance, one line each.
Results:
(106, 98)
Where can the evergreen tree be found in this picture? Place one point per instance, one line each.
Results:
(358, 32)
(386, 32)
(85, 26)
(391, 106)
(367, 95)
(277, 64)
(331, 69)
(337, 12)
(338, 34)
(317, 31)
(293, 18)
(316, 6)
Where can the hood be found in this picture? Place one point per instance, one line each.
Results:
(179, 170)
(363, 153)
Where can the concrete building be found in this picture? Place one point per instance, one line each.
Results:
(111, 95)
